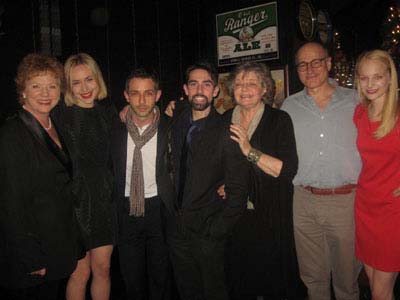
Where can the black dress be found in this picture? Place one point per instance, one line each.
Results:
(261, 257)
(87, 133)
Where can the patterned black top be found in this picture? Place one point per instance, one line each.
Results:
(87, 133)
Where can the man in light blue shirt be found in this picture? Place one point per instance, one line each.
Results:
(329, 165)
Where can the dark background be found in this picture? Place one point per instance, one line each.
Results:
(166, 35)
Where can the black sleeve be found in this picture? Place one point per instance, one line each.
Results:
(286, 146)
(20, 244)
(236, 177)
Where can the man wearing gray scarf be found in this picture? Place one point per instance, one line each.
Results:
(143, 189)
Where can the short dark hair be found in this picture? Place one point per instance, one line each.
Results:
(143, 74)
(206, 66)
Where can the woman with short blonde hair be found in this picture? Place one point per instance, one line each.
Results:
(86, 126)
(83, 59)
(261, 257)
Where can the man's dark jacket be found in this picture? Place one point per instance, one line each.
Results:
(119, 151)
(215, 160)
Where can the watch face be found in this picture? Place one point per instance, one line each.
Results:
(324, 27)
(307, 20)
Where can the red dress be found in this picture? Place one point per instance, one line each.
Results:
(377, 211)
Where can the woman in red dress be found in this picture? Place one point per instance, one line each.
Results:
(377, 207)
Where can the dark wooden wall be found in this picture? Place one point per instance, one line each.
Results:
(166, 35)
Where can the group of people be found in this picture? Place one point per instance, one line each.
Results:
(235, 206)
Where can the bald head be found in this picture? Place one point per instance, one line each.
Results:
(313, 65)
(313, 48)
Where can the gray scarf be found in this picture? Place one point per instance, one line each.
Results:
(136, 196)
(254, 122)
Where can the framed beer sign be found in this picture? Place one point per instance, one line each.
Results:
(248, 34)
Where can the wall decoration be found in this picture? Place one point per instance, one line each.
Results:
(223, 101)
(281, 85)
(324, 28)
(307, 18)
(248, 34)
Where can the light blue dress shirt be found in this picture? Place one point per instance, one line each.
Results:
(326, 140)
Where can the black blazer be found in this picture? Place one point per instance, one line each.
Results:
(37, 222)
(165, 188)
(216, 160)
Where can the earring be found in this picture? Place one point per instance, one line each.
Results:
(23, 96)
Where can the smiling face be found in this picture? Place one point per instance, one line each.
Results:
(41, 94)
(200, 89)
(248, 90)
(317, 76)
(84, 86)
(373, 79)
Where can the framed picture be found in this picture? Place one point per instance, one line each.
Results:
(280, 75)
(223, 102)
(248, 34)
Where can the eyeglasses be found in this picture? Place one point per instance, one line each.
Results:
(315, 64)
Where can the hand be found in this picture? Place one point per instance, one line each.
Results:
(221, 191)
(240, 136)
(396, 192)
(40, 272)
(169, 111)
(123, 113)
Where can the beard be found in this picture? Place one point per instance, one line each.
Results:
(199, 102)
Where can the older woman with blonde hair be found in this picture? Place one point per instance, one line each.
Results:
(377, 206)
(39, 236)
(85, 121)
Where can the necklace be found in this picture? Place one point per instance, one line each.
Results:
(49, 127)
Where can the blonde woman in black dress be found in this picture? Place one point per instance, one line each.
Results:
(85, 123)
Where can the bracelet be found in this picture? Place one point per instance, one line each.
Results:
(253, 156)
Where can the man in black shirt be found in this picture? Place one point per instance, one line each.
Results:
(204, 157)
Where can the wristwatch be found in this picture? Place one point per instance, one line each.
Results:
(253, 156)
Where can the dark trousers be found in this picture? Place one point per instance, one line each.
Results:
(44, 291)
(143, 255)
(198, 264)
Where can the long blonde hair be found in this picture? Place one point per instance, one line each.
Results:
(87, 60)
(390, 110)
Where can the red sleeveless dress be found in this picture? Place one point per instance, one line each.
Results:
(377, 211)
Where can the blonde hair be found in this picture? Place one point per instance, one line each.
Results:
(390, 110)
(87, 60)
(262, 72)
